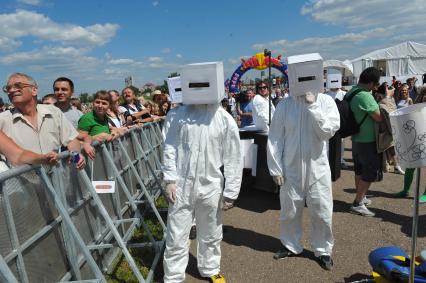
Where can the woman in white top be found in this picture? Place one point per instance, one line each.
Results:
(403, 99)
(116, 119)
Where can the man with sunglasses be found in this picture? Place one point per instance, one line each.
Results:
(367, 162)
(36, 127)
(261, 107)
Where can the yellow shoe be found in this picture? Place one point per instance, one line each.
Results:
(218, 278)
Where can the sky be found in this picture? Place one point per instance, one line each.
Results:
(98, 43)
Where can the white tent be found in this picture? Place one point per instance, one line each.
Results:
(405, 59)
(345, 67)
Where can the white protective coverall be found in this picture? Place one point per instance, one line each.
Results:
(339, 94)
(200, 140)
(261, 112)
(297, 150)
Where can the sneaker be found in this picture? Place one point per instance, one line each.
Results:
(193, 232)
(362, 210)
(326, 262)
(218, 278)
(365, 201)
(283, 253)
(401, 194)
(422, 199)
(398, 170)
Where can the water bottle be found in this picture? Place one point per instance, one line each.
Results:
(75, 156)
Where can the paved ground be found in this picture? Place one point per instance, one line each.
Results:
(251, 230)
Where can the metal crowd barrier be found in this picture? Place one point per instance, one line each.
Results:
(55, 227)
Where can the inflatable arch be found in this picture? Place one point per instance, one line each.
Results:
(259, 62)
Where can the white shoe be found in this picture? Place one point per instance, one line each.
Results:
(365, 201)
(362, 210)
(398, 170)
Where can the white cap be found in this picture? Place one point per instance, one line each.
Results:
(334, 81)
(203, 83)
(305, 74)
(175, 89)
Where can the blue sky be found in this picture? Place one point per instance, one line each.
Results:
(98, 43)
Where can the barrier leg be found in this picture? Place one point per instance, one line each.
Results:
(111, 226)
(6, 275)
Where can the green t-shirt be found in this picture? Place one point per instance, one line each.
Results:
(363, 103)
(91, 124)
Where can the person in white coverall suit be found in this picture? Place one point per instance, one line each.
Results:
(297, 160)
(200, 140)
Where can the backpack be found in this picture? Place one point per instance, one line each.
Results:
(348, 124)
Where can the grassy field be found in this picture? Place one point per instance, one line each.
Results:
(122, 273)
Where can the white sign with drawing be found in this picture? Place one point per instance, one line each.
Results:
(409, 134)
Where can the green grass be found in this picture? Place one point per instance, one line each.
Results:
(122, 273)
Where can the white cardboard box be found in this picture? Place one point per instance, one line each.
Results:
(203, 83)
(305, 74)
(334, 81)
(175, 89)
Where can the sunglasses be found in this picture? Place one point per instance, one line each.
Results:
(17, 85)
(263, 87)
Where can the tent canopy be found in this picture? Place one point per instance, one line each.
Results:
(407, 58)
(346, 66)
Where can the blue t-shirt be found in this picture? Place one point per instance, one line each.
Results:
(246, 107)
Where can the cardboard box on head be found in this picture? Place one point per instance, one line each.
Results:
(203, 83)
(175, 89)
(334, 81)
(305, 74)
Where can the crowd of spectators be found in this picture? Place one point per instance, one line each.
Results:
(59, 121)
(240, 105)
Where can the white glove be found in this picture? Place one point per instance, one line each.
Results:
(227, 203)
(170, 192)
(310, 97)
(279, 180)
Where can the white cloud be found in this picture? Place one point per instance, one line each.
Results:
(235, 61)
(366, 13)
(121, 61)
(155, 3)
(166, 50)
(371, 24)
(53, 62)
(115, 72)
(26, 23)
(179, 56)
(336, 47)
(155, 59)
(30, 2)
(7, 44)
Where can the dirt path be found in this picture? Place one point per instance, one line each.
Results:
(251, 235)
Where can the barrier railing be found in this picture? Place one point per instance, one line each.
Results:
(55, 227)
